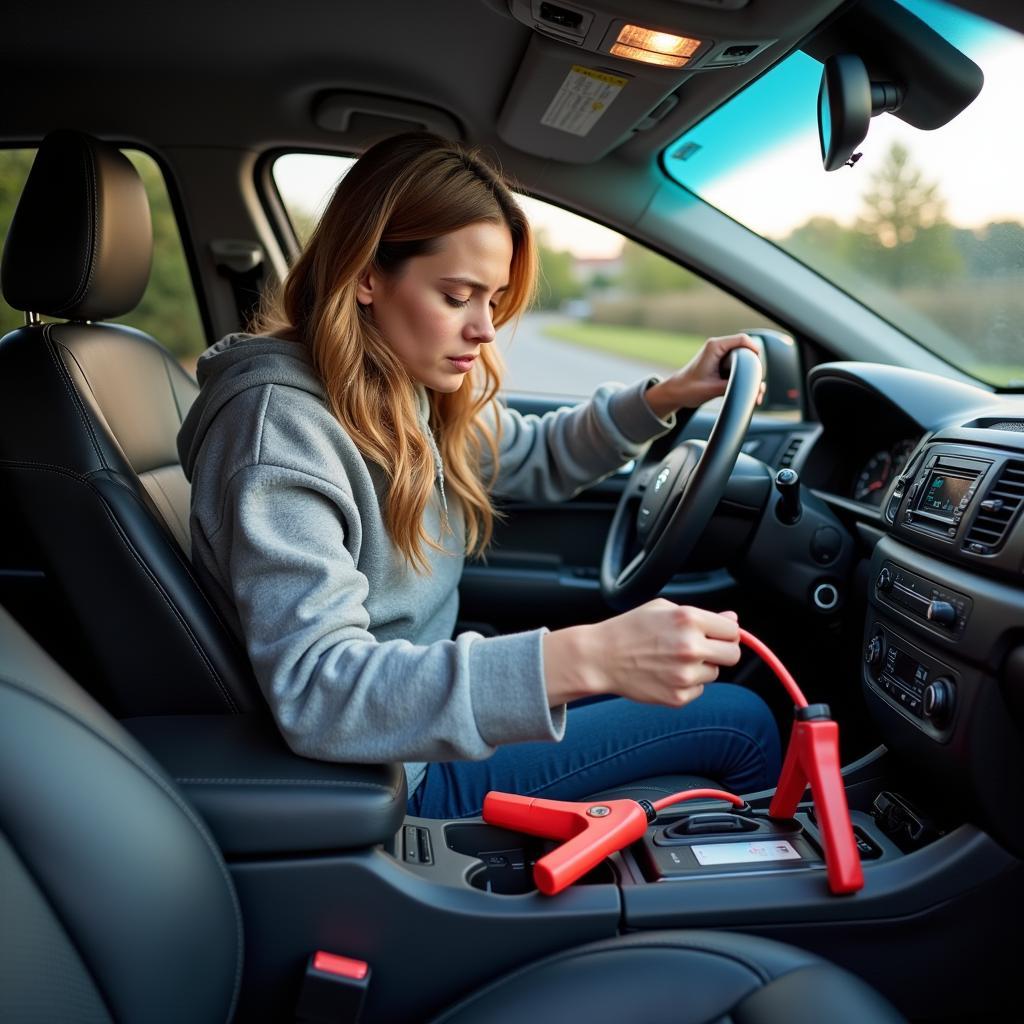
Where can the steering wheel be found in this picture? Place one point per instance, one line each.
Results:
(667, 503)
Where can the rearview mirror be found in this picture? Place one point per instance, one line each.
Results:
(847, 100)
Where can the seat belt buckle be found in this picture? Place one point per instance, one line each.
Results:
(333, 990)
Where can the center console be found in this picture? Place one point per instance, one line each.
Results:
(943, 640)
(322, 856)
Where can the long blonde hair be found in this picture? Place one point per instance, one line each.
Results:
(395, 203)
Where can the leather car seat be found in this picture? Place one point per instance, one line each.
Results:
(119, 907)
(89, 416)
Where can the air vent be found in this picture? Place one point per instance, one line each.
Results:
(788, 457)
(997, 511)
(1017, 425)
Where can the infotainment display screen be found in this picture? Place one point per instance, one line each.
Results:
(942, 494)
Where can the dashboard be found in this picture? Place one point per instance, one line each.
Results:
(880, 469)
(934, 469)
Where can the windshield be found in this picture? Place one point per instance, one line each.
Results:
(927, 228)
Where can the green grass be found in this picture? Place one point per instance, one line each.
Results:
(662, 348)
(1002, 375)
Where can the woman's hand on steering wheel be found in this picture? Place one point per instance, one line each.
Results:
(700, 379)
(667, 502)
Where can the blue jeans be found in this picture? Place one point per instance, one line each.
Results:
(727, 734)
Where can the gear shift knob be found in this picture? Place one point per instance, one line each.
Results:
(787, 483)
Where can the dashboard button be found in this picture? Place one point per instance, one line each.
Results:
(941, 612)
(826, 545)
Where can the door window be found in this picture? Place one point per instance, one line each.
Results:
(606, 309)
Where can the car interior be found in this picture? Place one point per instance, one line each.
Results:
(167, 857)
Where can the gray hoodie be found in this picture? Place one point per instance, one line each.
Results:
(352, 648)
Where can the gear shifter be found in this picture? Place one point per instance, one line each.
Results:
(787, 483)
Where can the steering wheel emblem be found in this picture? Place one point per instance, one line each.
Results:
(662, 477)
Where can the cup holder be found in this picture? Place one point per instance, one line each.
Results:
(507, 858)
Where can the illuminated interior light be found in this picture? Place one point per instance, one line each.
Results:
(663, 43)
(665, 60)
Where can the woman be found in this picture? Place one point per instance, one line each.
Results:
(343, 463)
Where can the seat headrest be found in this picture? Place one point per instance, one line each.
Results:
(81, 241)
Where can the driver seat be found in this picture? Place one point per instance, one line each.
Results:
(89, 417)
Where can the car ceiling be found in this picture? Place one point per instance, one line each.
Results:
(200, 73)
(247, 77)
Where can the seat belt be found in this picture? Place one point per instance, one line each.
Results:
(243, 263)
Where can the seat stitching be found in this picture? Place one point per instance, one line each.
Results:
(76, 399)
(147, 573)
(82, 287)
(169, 792)
(179, 618)
(63, 470)
(81, 478)
(97, 221)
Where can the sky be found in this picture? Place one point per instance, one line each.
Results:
(975, 159)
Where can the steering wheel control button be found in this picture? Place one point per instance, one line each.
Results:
(599, 811)
(826, 544)
(825, 596)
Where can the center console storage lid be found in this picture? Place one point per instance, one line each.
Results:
(260, 798)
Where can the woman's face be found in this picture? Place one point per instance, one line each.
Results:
(437, 311)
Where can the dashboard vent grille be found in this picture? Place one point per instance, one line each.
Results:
(1017, 425)
(997, 511)
(788, 457)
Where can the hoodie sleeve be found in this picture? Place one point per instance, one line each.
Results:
(335, 691)
(554, 456)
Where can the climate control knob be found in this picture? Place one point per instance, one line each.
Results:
(873, 651)
(884, 581)
(941, 612)
(938, 702)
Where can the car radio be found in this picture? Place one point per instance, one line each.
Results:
(941, 494)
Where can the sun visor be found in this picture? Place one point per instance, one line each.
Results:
(568, 104)
(896, 46)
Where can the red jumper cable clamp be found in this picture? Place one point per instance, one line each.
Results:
(592, 831)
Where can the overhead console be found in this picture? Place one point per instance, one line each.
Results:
(596, 71)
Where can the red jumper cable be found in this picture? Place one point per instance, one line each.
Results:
(592, 832)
